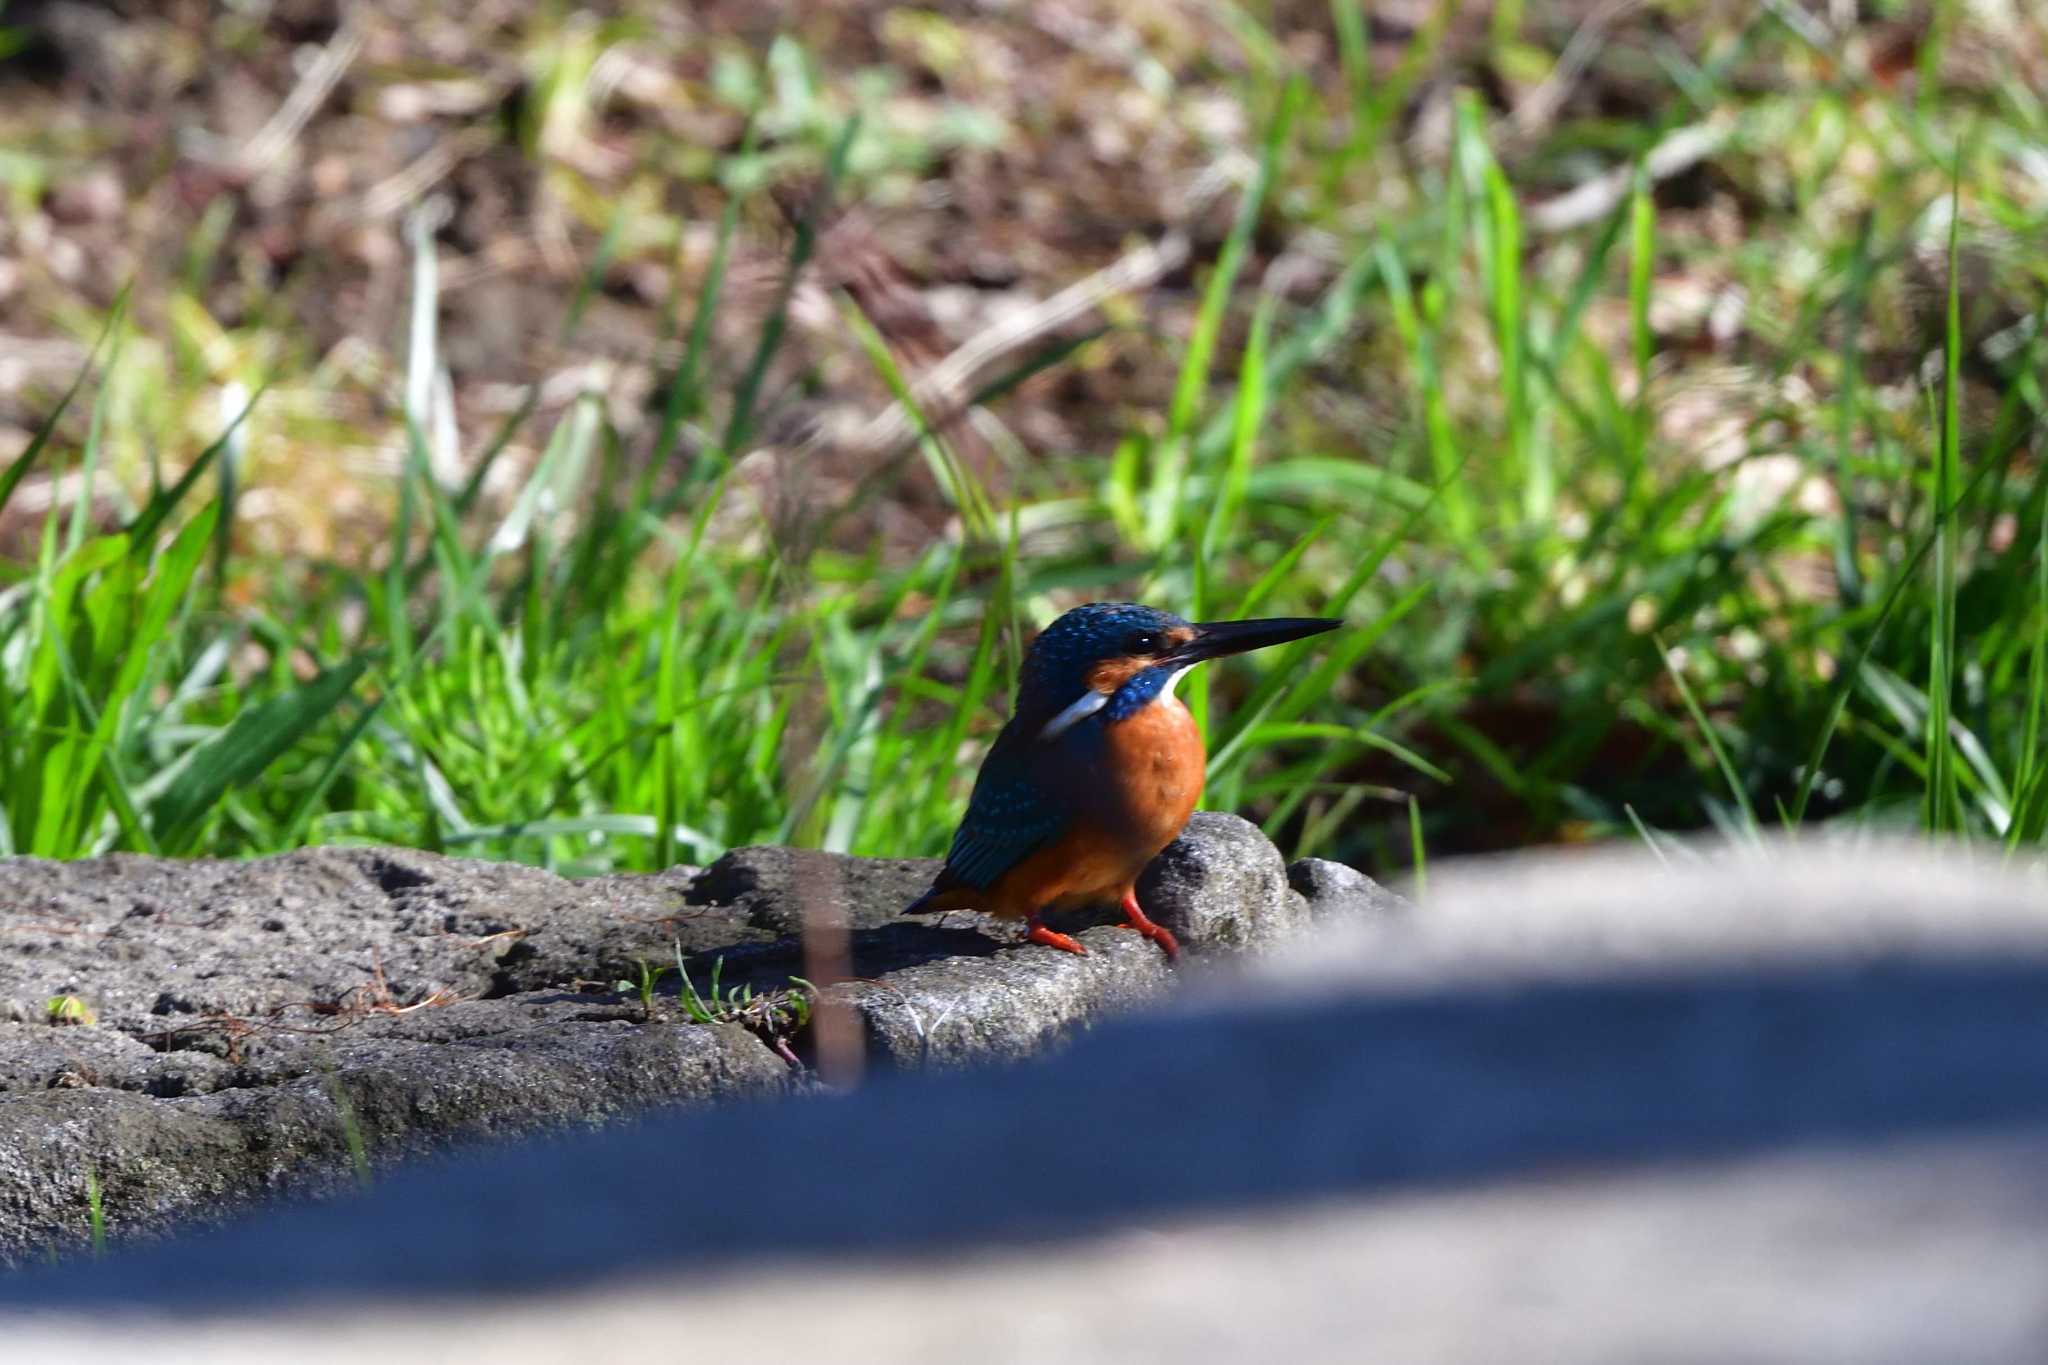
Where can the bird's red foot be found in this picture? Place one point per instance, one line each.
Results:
(1158, 933)
(1051, 938)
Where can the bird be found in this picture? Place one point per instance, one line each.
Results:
(1097, 769)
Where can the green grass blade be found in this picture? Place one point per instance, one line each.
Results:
(1713, 740)
(1847, 678)
(24, 462)
(593, 274)
(240, 753)
(2030, 811)
(1642, 265)
(1943, 808)
(1419, 862)
(142, 531)
(95, 436)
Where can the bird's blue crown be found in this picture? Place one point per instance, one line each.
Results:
(1057, 666)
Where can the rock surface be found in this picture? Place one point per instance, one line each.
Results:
(1763, 1110)
(282, 1024)
(1224, 888)
(1337, 894)
(779, 889)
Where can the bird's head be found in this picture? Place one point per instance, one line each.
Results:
(1116, 658)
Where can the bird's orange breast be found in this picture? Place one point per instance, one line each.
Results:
(1152, 776)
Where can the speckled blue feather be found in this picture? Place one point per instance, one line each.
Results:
(1056, 668)
(1009, 815)
(1141, 691)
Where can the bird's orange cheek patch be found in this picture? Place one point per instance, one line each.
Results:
(1111, 674)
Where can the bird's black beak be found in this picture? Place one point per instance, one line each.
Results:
(1213, 639)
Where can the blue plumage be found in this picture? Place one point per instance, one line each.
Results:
(1010, 814)
(1140, 692)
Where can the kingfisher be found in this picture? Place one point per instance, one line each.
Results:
(1097, 770)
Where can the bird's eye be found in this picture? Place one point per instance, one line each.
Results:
(1144, 642)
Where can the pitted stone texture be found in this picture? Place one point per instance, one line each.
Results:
(397, 1087)
(1009, 1005)
(153, 944)
(1222, 885)
(1337, 893)
(1659, 1096)
(783, 889)
(257, 1021)
(449, 998)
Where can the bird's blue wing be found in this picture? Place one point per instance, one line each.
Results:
(1010, 815)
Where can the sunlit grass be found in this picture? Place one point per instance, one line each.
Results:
(1590, 592)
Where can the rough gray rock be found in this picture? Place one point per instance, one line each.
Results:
(1222, 885)
(777, 888)
(162, 1162)
(1336, 893)
(1010, 1005)
(154, 946)
(254, 1020)
(1786, 1110)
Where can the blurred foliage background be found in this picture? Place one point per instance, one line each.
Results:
(602, 434)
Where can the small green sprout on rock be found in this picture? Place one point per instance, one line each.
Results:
(773, 1015)
(649, 975)
(69, 1009)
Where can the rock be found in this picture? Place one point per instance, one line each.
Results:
(778, 888)
(257, 1021)
(1222, 884)
(1013, 1004)
(404, 1089)
(152, 944)
(449, 997)
(1657, 1096)
(1336, 893)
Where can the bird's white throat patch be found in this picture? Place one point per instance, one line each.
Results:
(1089, 702)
